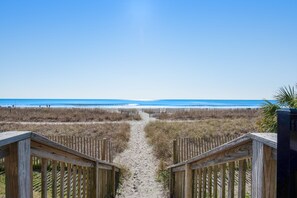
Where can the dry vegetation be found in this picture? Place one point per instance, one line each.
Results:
(161, 133)
(118, 133)
(199, 114)
(64, 115)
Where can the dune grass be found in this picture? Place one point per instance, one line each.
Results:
(199, 114)
(64, 115)
(161, 133)
(118, 133)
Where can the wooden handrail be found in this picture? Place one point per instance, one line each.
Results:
(81, 171)
(201, 175)
(11, 137)
(268, 139)
(92, 146)
(42, 143)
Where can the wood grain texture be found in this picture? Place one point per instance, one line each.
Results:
(242, 179)
(62, 174)
(269, 173)
(188, 181)
(44, 164)
(231, 181)
(54, 179)
(257, 169)
(18, 169)
(223, 180)
(13, 136)
(215, 181)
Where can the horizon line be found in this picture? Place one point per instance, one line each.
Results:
(132, 99)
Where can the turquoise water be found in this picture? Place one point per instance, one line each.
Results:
(118, 103)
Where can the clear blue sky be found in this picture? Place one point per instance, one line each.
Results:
(147, 49)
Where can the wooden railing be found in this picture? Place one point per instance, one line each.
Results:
(186, 148)
(225, 171)
(63, 172)
(91, 146)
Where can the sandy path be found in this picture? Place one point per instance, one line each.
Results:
(138, 157)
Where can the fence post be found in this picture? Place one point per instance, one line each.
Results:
(188, 181)
(174, 152)
(17, 170)
(113, 182)
(257, 169)
(109, 151)
(104, 149)
(96, 178)
(263, 171)
(171, 183)
(94, 181)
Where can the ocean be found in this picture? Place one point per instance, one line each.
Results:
(119, 103)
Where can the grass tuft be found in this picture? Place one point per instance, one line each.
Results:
(118, 133)
(64, 115)
(202, 114)
(161, 133)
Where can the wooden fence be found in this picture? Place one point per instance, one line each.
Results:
(62, 172)
(94, 147)
(224, 170)
(186, 148)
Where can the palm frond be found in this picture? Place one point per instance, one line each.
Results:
(286, 96)
(269, 109)
(268, 122)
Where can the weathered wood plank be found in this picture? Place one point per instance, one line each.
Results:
(113, 182)
(221, 150)
(269, 139)
(231, 180)
(178, 169)
(10, 137)
(74, 182)
(200, 182)
(17, 168)
(68, 180)
(195, 189)
(84, 191)
(24, 167)
(204, 182)
(54, 179)
(44, 163)
(59, 157)
(269, 173)
(175, 159)
(79, 182)
(215, 181)
(31, 176)
(209, 181)
(223, 180)
(257, 169)
(242, 179)
(62, 175)
(171, 182)
(96, 180)
(234, 154)
(188, 181)
(42, 143)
